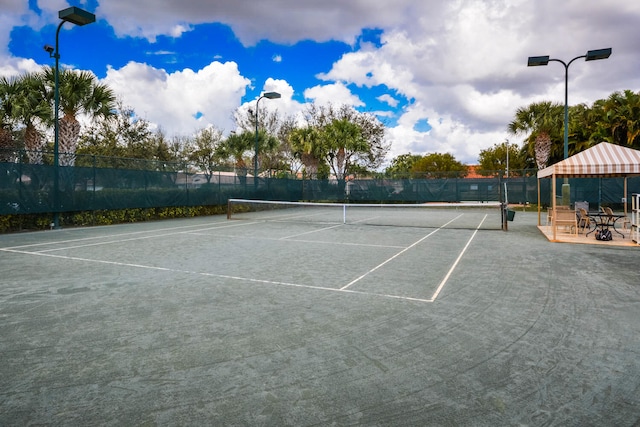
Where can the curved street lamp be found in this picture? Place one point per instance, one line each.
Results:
(535, 61)
(80, 17)
(592, 55)
(268, 95)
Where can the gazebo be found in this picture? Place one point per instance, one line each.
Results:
(604, 160)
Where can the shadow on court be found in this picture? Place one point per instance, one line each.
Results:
(213, 322)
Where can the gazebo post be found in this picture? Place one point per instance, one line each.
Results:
(553, 204)
(539, 219)
(624, 195)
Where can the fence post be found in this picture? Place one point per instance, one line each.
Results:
(186, 187)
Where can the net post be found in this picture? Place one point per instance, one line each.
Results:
(504, 216)
(228, 208)
(344, 213)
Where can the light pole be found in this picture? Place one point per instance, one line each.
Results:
(268, 95)
(592, 55)
(79, 17)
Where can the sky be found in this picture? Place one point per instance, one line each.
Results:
(443, 76)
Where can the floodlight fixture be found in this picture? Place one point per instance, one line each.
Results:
(594, 55)
(536, 61)
(77, 16)
(271, 95)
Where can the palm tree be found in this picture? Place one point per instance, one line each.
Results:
(584, 131)
(543, 121)
(80, 93)
(32, 108)
(305, 146)
(8, 90)
(621, 118)
(343, 140)
(236, 146)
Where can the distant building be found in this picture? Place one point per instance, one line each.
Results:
(473, 172)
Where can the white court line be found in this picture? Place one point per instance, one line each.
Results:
(222, 276)
(129, 240)
(110, 236)
(343, 289)
(365, 245)
(287, 239)
(455, 264)
(309, 232)
(397, 255)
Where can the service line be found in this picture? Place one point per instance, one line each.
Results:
(222, 276)
(397, 255)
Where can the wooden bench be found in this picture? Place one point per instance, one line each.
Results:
(567, 218)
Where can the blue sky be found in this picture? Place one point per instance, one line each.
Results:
(442, 76)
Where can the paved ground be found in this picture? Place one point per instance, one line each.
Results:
(188, 323)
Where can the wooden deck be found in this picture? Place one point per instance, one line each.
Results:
(563, 235)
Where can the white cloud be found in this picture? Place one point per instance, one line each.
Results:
(281, 21)
(388, 99)
(17, 66)
(184, 101)
(460, 65)
(336, 93)
(466, 63)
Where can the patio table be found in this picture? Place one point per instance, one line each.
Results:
(603, 221)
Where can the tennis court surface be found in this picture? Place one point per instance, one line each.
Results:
(210, 321)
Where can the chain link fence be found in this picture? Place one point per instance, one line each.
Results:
(107, 183)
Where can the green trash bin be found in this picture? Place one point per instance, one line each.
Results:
(510, 214)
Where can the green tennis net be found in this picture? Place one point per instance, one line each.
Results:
(470, 216)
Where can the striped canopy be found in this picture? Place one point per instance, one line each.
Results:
(602, 160)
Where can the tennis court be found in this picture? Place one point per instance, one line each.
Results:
(331, 322)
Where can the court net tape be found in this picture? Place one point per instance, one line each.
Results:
(470, 216)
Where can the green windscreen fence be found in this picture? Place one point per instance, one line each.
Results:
(110, 183)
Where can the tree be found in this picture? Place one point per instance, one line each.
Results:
(205, 150)
(80, 93)
(120, 134)
(401, 166)
(342, 141)
(543, 121)
(583, 127)
(8, 95)
(305, 144)
(435, 164)
(620, 118)
(272, 135)
(348, 137)
(235, 147)
(494, 160)
(31, 109)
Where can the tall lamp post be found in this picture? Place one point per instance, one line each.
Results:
(79, 17)
(535, 61)
(268, 95)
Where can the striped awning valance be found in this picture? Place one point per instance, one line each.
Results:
(602, 160)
